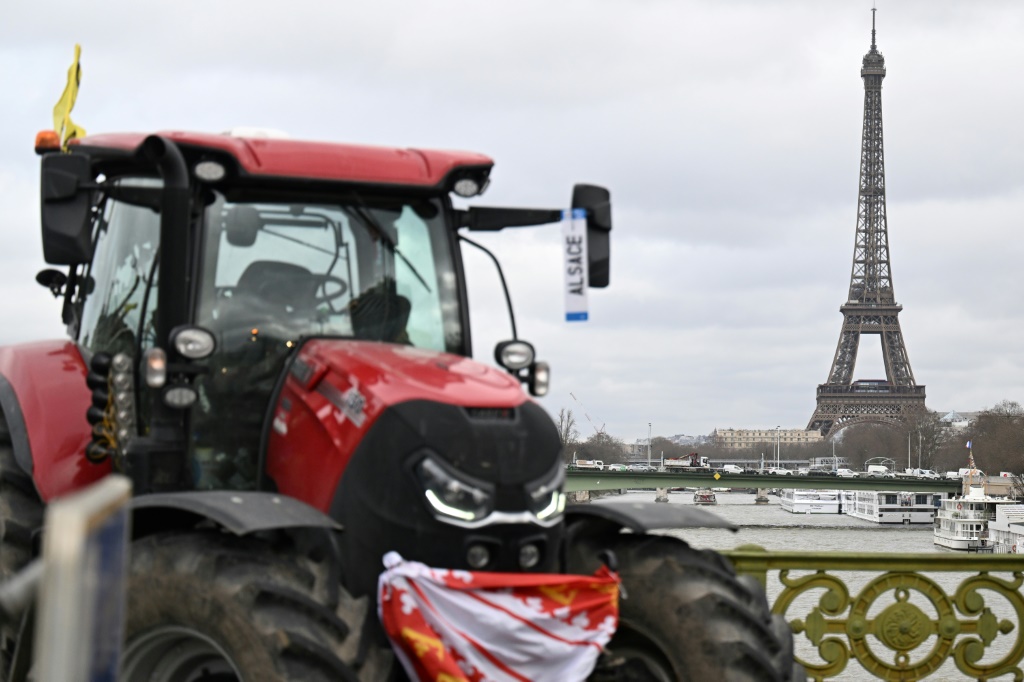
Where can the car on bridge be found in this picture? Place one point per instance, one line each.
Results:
(846, 473)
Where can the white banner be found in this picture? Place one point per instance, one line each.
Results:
(574, 246)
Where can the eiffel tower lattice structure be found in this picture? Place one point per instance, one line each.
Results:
(871, 306)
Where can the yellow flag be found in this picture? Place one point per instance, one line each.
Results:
(62, 122)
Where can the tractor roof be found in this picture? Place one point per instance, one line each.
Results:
(261, 156)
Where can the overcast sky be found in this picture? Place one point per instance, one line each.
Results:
(727, 132)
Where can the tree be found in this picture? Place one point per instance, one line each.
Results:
(862, 442)
(601, 446)
(567, 431)
(1006, 408)
(929, 434)
(997, 438)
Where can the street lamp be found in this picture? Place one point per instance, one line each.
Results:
(919, 449)
(648, 444)
(778, 448)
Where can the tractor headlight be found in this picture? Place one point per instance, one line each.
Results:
(194, 343)
(514, 355)
(452, 497)
(546, 499)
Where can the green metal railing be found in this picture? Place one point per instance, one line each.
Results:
(909, 614)
(615, 480)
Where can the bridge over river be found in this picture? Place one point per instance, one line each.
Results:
(617, 480)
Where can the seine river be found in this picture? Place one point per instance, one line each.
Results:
(773, 528)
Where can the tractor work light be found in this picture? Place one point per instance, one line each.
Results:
(471, 182)
(180, 397)
(209, 171)
(478, 556)
(529, 556)
(154, 367)
(194, 343)
(453, 499)
(466, 187)
(514, 355)
(121, 363)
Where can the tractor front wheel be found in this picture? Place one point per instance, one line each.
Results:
(685, 615)
(212, 607)
(21, 515)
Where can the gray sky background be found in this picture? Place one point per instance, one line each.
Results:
(728, 133)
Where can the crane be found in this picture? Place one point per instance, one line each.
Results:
(583, 407)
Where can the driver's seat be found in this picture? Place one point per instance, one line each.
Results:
(277, 287)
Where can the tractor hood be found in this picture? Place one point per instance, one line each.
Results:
(388, 374)
(388, 405)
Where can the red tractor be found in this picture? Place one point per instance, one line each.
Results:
(270, 338)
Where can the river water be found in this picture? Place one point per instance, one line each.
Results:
(773, 528)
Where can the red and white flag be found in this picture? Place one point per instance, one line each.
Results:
(469, 626)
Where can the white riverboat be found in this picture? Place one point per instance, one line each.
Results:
(963, 522)
(704, 496)
(1006, 530)
(799, 501)
(891, 507)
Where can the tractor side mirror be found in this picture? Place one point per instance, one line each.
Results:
(54, 280)
(241, 225)
(65, 191)
(597, 201)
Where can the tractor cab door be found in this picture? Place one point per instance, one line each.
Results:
(115, 303)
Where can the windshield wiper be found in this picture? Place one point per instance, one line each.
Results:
(267, 230)
(364, 214)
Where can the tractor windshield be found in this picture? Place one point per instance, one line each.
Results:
(378, 271)
(272, 272)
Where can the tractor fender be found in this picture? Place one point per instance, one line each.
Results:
(10, 412)
(639, 517)
(238, 512)
(43, 397)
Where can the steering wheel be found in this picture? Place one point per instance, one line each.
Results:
(271, 289)
(321, 287)
(323, 296)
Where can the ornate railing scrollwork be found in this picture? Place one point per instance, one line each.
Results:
(901, 624)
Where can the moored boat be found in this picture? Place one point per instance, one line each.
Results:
(891, 507)
(1006, 530)
(963, 522)
(799, 501)
(704, 496)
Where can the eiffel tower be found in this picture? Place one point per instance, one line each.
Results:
(871, 307)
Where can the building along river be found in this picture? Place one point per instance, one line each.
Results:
(775, 529)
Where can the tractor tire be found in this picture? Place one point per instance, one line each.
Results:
(210, 606)
(685, 615)
(21, 515)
